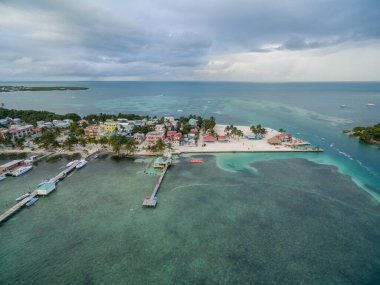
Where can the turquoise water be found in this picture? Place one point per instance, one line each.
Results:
(236, 219)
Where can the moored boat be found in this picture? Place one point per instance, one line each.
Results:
(370, 104)
(31, 201)
(21, 170)
(71, 163)
(197, 161)
(81, 163)
(22, 197)
(2, 177)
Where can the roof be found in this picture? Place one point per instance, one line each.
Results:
(171, 133)
(284, 135)
(46, 186)
(208, 138)
(11, 163)
(159, 160)
(192, 122)
(274, 140)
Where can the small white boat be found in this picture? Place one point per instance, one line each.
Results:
(342, 106)
(71, 163)
(21, 170)
(370, 104)
(22, 197)
(2, 177)
(81, 163)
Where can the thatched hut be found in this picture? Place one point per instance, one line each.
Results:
(274, 140)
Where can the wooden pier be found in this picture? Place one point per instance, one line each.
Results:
(64, 173)
(151, 201)
(55, 179)
(16, 207)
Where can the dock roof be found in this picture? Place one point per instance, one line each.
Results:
(11, 163)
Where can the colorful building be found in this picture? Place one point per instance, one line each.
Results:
(110, 126)
(153, 137)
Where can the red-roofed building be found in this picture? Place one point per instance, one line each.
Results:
(285, 137)
(208, 138)
(171, 133)
(222, 139)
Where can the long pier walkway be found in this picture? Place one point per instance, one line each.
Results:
(64, 173)
(16, 207)
(151, 201)
(55, 179)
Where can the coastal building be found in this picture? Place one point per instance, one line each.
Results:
(254, 137)
(45, 188)
(64, 124)
(10, 165)
(125, 128)
(285, 137)
(222, 139)
(21, 131)
(110, 126)
(208, 138)
(169, 119)
(153, 137)
(83, 123)
(162, 161)
(91, 131)
(4, 122)
(139, 137)
(274, 140)
(160, 128)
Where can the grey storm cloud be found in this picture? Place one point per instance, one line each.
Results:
(148, 39)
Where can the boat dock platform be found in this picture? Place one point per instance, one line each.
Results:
(38, 192)
(151, 201)
(16, 207)
(64, 173)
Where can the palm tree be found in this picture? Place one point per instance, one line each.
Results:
(281, 130)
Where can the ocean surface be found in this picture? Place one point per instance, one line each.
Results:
(263, 218)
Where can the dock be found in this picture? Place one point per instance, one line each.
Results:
(38, 192)
(17, 207)
(151, 201)
(64, 173)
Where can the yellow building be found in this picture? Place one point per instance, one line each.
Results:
(110, 126)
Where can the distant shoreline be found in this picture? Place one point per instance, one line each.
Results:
(40, 88)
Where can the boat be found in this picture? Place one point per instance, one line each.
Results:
(370, 104)
(22, 197)
(21, 170)
(71, 163)
(31, 201)
(342, 106)
(2, 177)
(81, 163)
(197, 161)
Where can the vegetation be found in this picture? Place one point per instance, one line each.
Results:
(103, 117)
(32, 117)
(258, 130)
(232, 131)
(368, 134)
(39, 88)
(209, 124)
(48, 138)
(159, 147)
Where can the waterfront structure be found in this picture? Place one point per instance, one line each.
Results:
(275, 140)
(10, 165)
(45, 188)
(160, 128)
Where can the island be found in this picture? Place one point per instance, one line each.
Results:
(131, 134)
(39, 88)
(370, 135)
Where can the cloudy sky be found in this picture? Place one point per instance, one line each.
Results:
(235, 40)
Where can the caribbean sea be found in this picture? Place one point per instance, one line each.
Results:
(261, 218)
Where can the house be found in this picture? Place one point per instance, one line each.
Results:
(160, 128)
(222, 139)
(4, 122)
(208, 138)
(285, 137)
(139, 137)
(153, 137)
(125, 128)
(83, 122)
(110, 126)
(62, 124)
(170, 133)
(91, 131)
(169, 119)
(37, 132)
(20, 132)
(274, 140)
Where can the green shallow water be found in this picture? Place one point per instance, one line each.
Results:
(211, 226)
